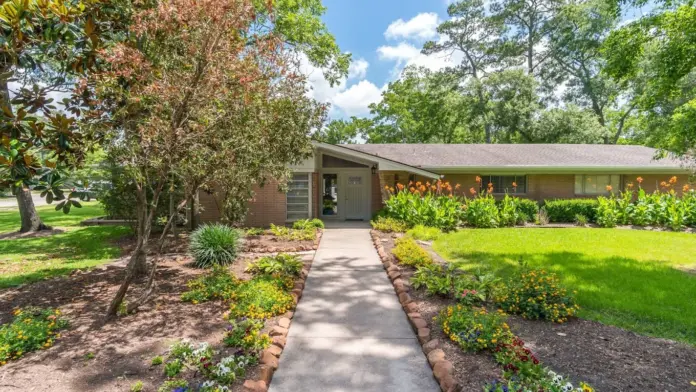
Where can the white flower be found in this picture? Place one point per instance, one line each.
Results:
(558, 379)
(568, 387)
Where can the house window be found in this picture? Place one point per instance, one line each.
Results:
(505, 184)
(596, 184)
(298, 197)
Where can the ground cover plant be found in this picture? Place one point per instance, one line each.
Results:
(218, 284)
(424, 233)
(214, 244)
(261, 297)
(638, 280)
(34, 258)
(409, 253)
(389, 225)
(281, 265)
(31, 329)
(308, 223)
(292, 234)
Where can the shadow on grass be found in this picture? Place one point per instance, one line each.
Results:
(644, 296)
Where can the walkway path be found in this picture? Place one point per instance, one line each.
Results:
(349, 333)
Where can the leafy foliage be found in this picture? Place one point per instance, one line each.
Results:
(444, 280)
(245, 334)
(214, 245)
(218, 284)
(260, 298)
(389, 225)
(281, 265)
(288, 234)
(303, 224)
(31, 329)
(424, 233)
(566, 210)
(408, 252)
(482, 212)
(427, 204)
(537, 294)
(474, 329)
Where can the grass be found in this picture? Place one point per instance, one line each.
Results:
(26, 260)
(627, 278)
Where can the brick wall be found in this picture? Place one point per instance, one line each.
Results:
(376, 195)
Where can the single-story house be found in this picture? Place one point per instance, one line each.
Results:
(346, 182)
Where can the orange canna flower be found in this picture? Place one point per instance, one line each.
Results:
(629, 185)
(640, 180)
(457, 186)
(673, 180)
(478, 179)
(685, 188)
(514, 184)
(609, 188)
(386, 187)
(490, 189)
(422, 188)
(412, 189)
(400, 186)
(410, 183)
(418, 183)
(427, 183)
(472, 190)
(664, 184)
(391, 189)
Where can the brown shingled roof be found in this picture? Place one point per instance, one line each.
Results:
(519, 155)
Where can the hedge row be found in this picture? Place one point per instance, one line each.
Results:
(567, 210)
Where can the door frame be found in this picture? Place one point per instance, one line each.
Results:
(343, 174)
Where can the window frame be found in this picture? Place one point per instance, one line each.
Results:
(309, 196)
(486, 179)
(603, 191)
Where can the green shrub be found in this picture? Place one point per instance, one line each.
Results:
(536, 294)
(217, 284)
(281, 265)
(427, 204)
(389, 225)
(409, 253)
(474, 329)
(137, 386)
(214, 244)
(444, 280)
(565, 210)
(262, 297)
(308, 224)
(173, 367)
(288, 234)
(530, 209)
(245, 334)
(31, 329)
(509, 213)
(482, 212)
(158, 360)
(424, 233)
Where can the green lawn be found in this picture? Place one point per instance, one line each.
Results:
(28, 260)
(628, 278)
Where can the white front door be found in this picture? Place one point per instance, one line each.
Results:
(356, 194)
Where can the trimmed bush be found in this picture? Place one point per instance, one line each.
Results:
(530, 208)
(409, 253)
(565, 211)
(213, 245)
(389, 225)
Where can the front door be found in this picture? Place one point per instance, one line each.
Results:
(356, 195)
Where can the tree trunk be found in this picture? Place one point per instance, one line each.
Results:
(27, 211)
(137, 258)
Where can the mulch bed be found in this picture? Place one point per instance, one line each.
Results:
(608, 358)
(122, 348)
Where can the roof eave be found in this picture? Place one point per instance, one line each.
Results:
(522, 169)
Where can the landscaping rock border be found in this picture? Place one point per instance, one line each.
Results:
(443, 370)
(269, 357)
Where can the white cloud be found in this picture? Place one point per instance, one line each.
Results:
(421, 27)
(355, 100)
(358, 69)
(401, 52)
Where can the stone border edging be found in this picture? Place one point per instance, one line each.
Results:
(268, 359)
(442, 368)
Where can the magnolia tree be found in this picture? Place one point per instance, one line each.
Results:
(206, 93)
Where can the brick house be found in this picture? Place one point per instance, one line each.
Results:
(345, 182)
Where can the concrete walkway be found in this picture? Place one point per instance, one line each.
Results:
(349, 332)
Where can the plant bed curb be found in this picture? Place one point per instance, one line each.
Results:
(269, 357)
(443, 370)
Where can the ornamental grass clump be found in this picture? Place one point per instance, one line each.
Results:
(474, 329)
(408, 252)
(31, 329)
(536, 294)
(213, 245)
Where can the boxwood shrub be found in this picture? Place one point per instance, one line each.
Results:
(566, 210)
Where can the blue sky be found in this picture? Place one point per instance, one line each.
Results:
(384, 36)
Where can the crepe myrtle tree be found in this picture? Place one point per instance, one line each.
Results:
(45, 44)
(205, 92)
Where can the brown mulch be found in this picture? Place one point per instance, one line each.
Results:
(122, 348)
(271, 244)
(607, 357)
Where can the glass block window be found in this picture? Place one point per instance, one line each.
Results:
(298, 197)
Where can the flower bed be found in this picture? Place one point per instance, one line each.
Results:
(281, 239)
(606, 357)
(32, 329)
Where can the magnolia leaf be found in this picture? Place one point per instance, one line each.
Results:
(76, 203)
(66, 208)
(60, 205)
(49, 198)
